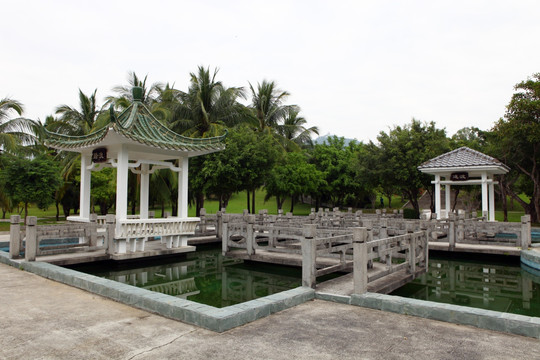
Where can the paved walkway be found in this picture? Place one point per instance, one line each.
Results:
(48, 320)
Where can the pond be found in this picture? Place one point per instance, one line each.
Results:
(204, 276)
(481, 282)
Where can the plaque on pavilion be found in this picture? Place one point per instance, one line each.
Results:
(99, 155)
(459, 176)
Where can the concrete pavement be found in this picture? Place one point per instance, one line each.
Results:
(47, 320)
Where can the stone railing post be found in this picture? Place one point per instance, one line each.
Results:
(219, 224)
(202, 223)
(451, 232)
(412, 254)
(360, 260)
(526, 238)
(225, 234)
(110, 220)
(460, 233)
(30, 251)
(383, 232)
(309, 255)
(250, 235)
(90, 231)
(15, 236)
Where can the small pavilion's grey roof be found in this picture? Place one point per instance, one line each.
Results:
(462, 158)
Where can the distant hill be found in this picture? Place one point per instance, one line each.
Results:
(322, 139)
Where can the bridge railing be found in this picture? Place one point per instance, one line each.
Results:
(42, 240)
(410, 251)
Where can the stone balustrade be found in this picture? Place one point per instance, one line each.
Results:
(41, 240)
(133, 233)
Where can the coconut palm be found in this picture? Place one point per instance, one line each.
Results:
(18, 131)
(76, 122)
(125, 95)
(293, 132)
(208, 107)
(267, 104)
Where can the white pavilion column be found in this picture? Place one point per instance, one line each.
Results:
(145, 189)
(438, 196)
(86, 178)
(183, 188)
(122, 185)
(484, 193)
(447, 192)
(491, 202)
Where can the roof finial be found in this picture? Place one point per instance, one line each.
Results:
(137, 92)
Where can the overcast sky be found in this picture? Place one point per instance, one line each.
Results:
(354, 67)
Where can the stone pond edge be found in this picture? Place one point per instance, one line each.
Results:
(209, 317)
(222, 319)
(461, 315)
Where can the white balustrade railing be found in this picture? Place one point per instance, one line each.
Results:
(173, 232)
(138, 228)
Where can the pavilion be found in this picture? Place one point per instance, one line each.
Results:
(465, 166)
(135, 140)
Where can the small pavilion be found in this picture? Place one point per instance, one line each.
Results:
(134, 141)
(465, 166)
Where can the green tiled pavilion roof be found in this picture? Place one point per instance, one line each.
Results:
(138, 124)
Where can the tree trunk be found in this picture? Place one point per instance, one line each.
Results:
(25, 212)
(503, 199)
(292, 203)
(199, 203)
(57, 212)
(253, 202)
(456, 194)
(248, 203)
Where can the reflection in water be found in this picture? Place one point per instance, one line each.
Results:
(505, 288)
(207, 277)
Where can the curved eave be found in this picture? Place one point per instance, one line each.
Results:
(73, 143)
(475, 169)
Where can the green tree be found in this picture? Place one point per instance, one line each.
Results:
(124, 93)
(404, 149)
(103, 189)
(16, 133)
(31, 181)
(293, 131)
(267, 104)
(337, 163)
(293, 177)
(208, 108)
(517, 143)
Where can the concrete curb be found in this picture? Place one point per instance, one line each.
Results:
(463, 315)
(531, 258)
(209, 317)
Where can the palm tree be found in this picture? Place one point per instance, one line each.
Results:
(266, 103)
(18, 131)
(125, 95)
(76, 122)
(208, 107)
(293, 132)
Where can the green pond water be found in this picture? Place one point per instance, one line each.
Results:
(204, 276)
(480, 283)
